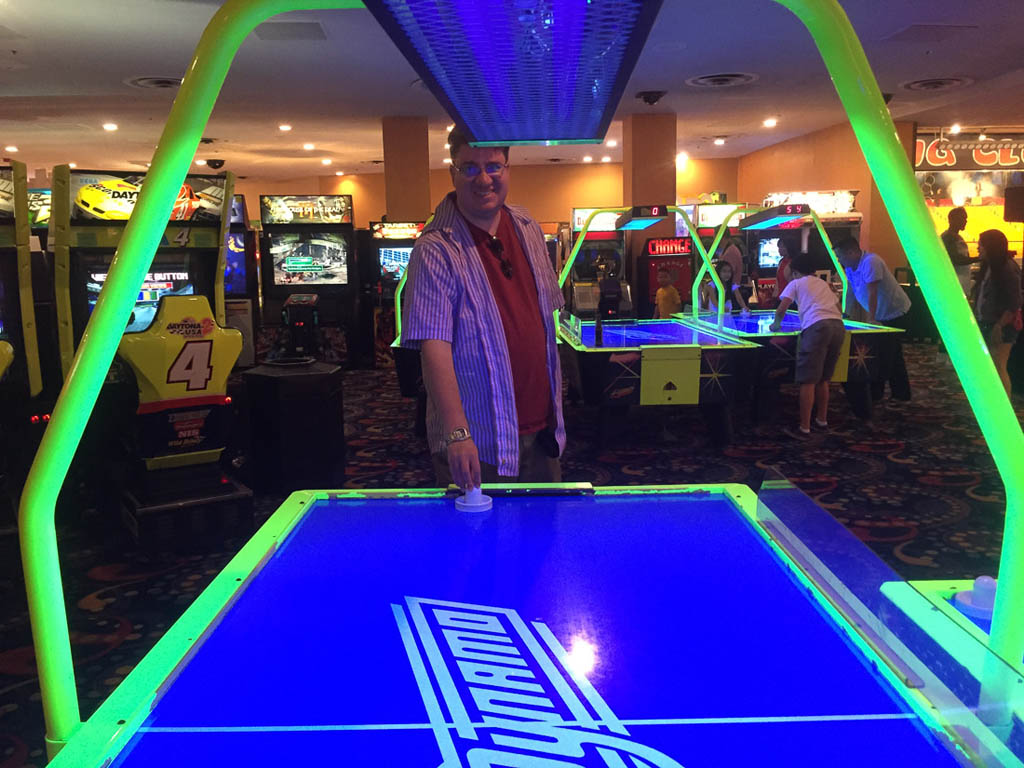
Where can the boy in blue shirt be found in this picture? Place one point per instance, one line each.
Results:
(821, 338)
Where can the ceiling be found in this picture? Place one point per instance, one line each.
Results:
(64, 67)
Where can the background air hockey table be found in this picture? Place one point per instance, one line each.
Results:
(652, 362)
(866, 355)
(566, 626)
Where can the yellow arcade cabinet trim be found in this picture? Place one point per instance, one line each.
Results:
(181, 364)
(22, 232)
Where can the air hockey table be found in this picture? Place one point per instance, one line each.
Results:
(652, 362)
(566, 626)
(865, 356)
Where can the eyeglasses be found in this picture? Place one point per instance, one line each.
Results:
(499, 252)
(472, 170)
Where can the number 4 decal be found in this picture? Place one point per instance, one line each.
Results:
(182, 237)
(192, 365)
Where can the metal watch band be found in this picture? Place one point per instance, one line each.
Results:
(457, 435)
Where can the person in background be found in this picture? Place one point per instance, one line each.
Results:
(787, 250)
(709, 291)
(821, 339)
(729, 251)
(957, 249)
(666, 301)
(877, 291)
(998, 306)
(479, 305)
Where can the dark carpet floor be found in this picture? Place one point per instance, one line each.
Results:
(920, 489)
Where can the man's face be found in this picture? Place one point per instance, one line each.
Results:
(849, 258)
(481, 195)
(958, 221)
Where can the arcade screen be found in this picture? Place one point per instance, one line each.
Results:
(394, 262)
(238, 211)
(235, 269)
(6, 194)
(603, 222)
(38, 207)
(170, 277)
(714, 215)
(309, 258)
(306, 209)
(768, 255)
(97, 198)
(681, 229)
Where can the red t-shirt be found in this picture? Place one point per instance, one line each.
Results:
(519, 308)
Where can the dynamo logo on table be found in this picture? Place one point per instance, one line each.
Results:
(499, 692)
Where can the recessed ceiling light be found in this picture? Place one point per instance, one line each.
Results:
(719, 142)
(326, 161)
(72, 165)
(954, 128)
(309, 147)
(110, 126)
(284, 127)
(588, 159)
(339, 173)
(771, 122)
(10, 148)
(681, 160)
(450, 127)
(200, 162)
(606, 159)
(611, 143)
(447, 160)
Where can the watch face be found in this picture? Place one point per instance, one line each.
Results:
(458, 434)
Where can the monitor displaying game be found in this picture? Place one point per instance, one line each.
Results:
(238, 209)
(394, 262)
(169, 277)
(768, 256)
(309, 258)
(235, 274)
(38, 208)
(681, 229)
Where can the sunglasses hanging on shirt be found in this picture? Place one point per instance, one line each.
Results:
(499, 253)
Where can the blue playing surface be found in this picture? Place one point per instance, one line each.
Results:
(635, 334)
(688, 643)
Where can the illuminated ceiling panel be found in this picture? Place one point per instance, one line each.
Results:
(522, 71)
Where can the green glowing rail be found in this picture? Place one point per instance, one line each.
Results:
(860, 95)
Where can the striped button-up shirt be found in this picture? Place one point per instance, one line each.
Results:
(448, 298)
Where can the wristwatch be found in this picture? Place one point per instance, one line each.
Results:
(457, 435)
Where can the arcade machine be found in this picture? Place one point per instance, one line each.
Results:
(836, 212)
(672, 253)
(601, 257)
(384, 251)
(20, 370)
(307, 271)
(154, 444)
(309, 247)
(241, 280)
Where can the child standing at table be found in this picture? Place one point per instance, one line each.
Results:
(709, 291)
(666, 300)
(821, 339)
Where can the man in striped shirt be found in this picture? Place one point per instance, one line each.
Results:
(479, 305)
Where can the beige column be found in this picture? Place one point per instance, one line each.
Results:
(406, 168)
(648, 177)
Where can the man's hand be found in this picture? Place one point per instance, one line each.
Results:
(775, 327)
(745, 312)
(464, 464)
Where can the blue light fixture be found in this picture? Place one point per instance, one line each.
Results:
(642, 216)
(771, 218)
(522, 71)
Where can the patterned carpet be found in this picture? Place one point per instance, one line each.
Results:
(920, 489)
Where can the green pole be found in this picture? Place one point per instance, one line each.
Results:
(579, 242)
(851, 74)
(705, 268)
(171, 161)
(832, 255)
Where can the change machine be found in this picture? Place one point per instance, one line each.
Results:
(165, 412)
